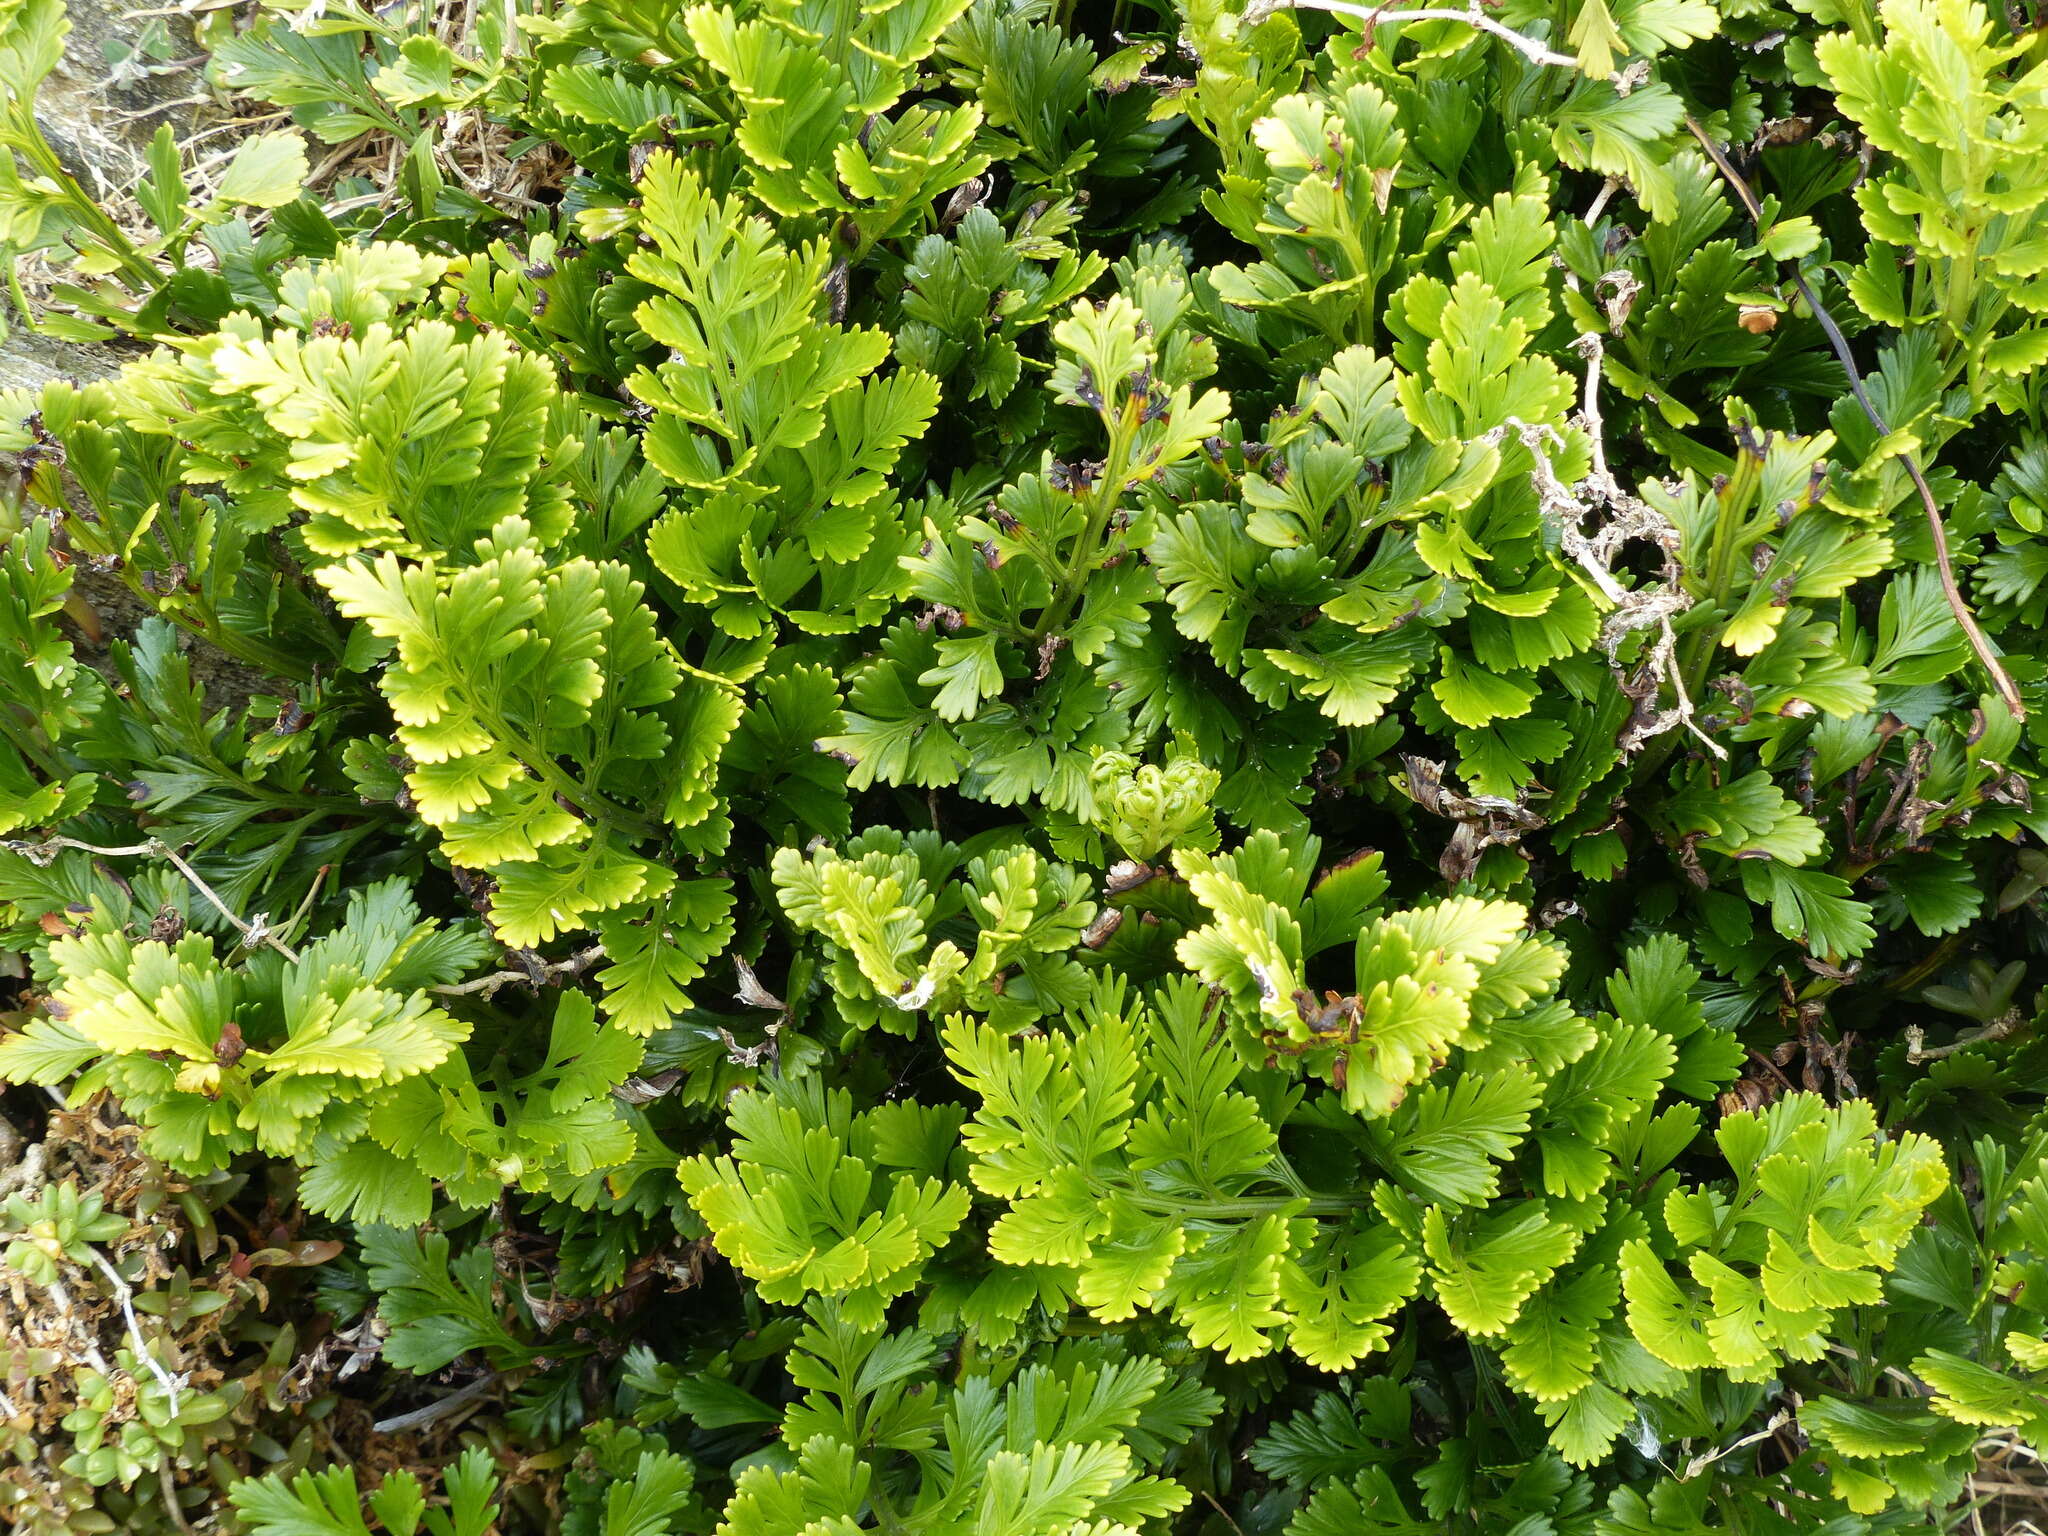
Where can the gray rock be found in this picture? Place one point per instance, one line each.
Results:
(28, 361)
(99, 113)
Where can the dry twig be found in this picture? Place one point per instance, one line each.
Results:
(1537, 53)
(1936, 528)
(255, 931)
(1629, 517)
(441, 1407)
(1372, 16)
(125, 1296)
(554, 970)
(1918, 1050)
(1701, 1462)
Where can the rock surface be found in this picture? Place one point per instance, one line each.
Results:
(28, 361)
(99, 114)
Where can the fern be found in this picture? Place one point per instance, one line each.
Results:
(1033, 773)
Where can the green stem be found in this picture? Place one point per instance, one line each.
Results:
(1959, 292)
(1697, 654)
(1364, 525)
(1109, 492)
(24, 742)
(1925, 967)
(1730, 515)
(1252, 1207)
(885, 1511)
(571, 789)
(18, 297)
(208, 627)
(28, 139)
(1724, 1224)
(1027, 537)
(1284, 1173)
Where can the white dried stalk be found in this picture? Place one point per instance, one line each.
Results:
(1627, 517)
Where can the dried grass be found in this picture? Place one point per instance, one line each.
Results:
(2009, 1489)
(107, 149)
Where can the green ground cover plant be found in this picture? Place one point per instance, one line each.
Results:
(1017, 769)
